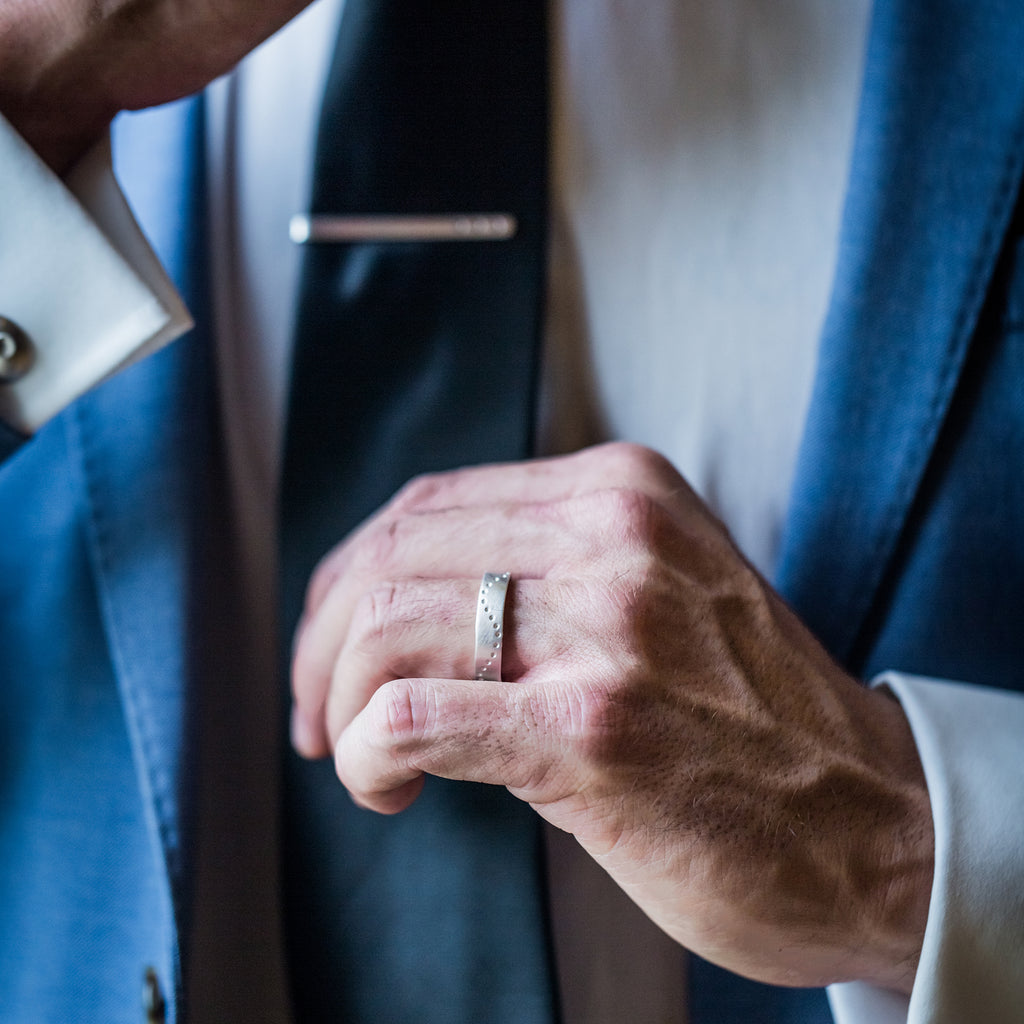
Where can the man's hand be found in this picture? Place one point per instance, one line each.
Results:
(70, 65)
(662, 704)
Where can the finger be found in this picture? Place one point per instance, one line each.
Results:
(528, 540)
(571, 540)
(409, 628)
(427, 628)
(437, 543)
(307, 732)
(615, 464)
(481, 732)
(618, 464)
(547, 479)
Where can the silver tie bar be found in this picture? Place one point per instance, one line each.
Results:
(447, 227)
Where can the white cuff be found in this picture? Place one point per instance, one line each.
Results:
(971, 742)
(91, 300)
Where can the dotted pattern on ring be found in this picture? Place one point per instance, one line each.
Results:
(490, 612)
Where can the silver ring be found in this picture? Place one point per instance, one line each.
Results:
(490, 614)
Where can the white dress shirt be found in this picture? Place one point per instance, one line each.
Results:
(89, 316)
(695, 218)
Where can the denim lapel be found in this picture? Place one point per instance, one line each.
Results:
(141, 440)
(936, 167)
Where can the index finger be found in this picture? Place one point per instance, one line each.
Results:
(618, 464)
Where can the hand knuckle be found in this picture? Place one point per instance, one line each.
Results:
(606, 726)
(637, 463)
(375, 610)
(376, 549)
(421, 490)
(629, 516)
(401, 715)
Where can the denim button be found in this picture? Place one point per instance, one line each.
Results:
(153, 1005)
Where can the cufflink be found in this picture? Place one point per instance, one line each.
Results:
(16, 352)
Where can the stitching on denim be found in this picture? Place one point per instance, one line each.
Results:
(138, 711)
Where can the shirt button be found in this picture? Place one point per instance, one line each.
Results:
(16, 352)
(153, 1005)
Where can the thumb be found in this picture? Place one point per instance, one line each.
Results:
(499, 733)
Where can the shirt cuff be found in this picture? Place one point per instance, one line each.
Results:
(971, 743)
(78, 277)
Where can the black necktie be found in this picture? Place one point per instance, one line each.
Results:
(403, 349)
